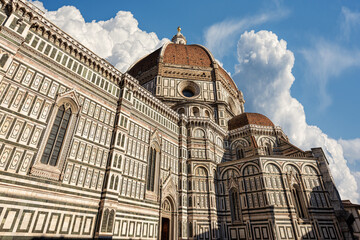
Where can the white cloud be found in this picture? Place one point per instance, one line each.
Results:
(351, 149)
(264, 75)
(350, 21)
(119, 39)
(326, 60)
(220, 37)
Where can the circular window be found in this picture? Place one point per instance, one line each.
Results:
(188, 89)
(188, 93)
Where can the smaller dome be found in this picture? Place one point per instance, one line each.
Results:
(249, 118)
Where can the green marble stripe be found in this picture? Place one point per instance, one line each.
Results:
(7, 110)
(12, 196)
(137, 216)
(90, 142)
(18, 182)
(133, 203)
(77, 162)
(11, 203)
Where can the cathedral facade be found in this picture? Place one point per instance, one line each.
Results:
(163, 151)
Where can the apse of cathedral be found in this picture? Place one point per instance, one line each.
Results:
(163, 151)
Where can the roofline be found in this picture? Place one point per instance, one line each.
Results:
(132, 65)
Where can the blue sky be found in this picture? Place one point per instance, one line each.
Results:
(303, 23)
(321, 36)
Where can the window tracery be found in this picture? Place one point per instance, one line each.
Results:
(57, 138)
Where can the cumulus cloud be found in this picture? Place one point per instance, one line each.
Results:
(220, 37)
(351, 149)
(264, 74)
(326, 60)
(119, 39)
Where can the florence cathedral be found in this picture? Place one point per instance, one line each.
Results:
(163, 151)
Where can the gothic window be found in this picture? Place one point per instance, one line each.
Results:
(298, 201)
(234, 205)
(111, 182)
(111, 221)
(105, 220)
(115, 160)
(119, 162)
(151, 170)
(118, 139)
(108, 221)
(267, 145)
(116, 183)
(123, 140)
(240, 153)
(56, 137)
(267, 149)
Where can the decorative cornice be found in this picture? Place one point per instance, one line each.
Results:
(38, 21)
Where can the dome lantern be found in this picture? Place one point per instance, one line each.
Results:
(178, 38)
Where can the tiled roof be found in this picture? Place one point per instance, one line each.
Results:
(249, 118)
(145, 64)
(192, 55)
(178, 54)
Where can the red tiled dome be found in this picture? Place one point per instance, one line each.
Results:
(191, 55)
(178, 54)
(249, 118)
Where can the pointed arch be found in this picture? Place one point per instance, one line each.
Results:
(298, 201)
(57, 137)
(267, 144)
(235, 205)
(153, 162)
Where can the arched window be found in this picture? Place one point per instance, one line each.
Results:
(234, 205)
(196, 112)
(123, 140)
(105, 220)
(181, 111)
(111, 182)
(151, 170)
(111, 221)
(115, 160)
(119, 162)
(116, 183)
(118, 139)
(298, 201)
(207, 113)
(199, 133)
(56, 137)
(240, 153)
(267, 149)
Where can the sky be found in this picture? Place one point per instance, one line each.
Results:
(297, 62)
